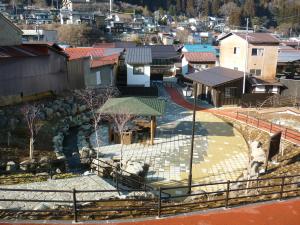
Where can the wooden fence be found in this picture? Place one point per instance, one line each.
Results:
(203, 196)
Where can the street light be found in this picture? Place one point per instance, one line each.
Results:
(192, 141)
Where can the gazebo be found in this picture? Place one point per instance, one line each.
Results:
(137, 106)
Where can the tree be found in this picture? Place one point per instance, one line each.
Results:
(31, 117)
(215, 6)
(120, 120)
(249, 8)
(232, 12)
(94, 99)
(190, 7)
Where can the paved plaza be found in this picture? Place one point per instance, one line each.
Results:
(220, 152)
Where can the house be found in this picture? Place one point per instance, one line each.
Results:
(288, 64)
(138, 63)
(29, 69)
(218, 86)
(10, 34)
(164, 58)
(253, 53)
(199, 48)
(167, 39)
(201, 38)
(197, 61)
(39, 35)
(97, 67)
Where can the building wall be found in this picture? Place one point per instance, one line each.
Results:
(8, 35)
(107, 77)
(292, 87)
(185, 66)
(266, 63)
(77, 70)
(32, 75)
(141, 79)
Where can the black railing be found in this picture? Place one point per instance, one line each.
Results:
(140, 204)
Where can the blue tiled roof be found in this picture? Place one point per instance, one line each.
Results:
(200, 48)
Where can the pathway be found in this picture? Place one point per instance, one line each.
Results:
(220, 152)
(290, 135)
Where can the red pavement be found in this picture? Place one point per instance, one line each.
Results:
(288, 134)
(273, 213)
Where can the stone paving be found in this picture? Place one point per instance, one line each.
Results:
(91, 182)
(220, 152)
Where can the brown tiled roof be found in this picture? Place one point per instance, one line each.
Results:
(106, 60)
(200, 57)
(256, 38)
(77, 53)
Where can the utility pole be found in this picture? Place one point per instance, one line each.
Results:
(246, 58)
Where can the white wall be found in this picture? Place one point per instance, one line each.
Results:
(140, 79)
(185, 66)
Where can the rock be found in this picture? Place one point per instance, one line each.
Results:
(199, 194)
(254, 169)
(58, 171)
(257, 153)
(11, 166)
(88, 173)
(141, 195)
(27, 164)
(44, 159)
(42, 206)
(136, 168)
(49, 113)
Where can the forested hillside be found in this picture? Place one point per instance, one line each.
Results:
(268, 13)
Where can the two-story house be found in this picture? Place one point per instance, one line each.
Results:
(253, 53)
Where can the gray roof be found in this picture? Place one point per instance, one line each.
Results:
(163, 51)
(215, 76)
(285, 56)
(140, 56)
(256, 38)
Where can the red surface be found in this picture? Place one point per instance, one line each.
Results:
(287, 134)
(275, 213)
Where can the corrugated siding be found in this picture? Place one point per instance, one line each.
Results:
(33, 75)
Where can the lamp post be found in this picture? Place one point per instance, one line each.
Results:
(192, 141)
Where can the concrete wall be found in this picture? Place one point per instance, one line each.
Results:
(292, 87)
(266, 63)
(8, 35)
(138, 79)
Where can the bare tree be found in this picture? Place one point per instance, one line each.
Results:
(120, 120)
(94, 99)
(31, 117)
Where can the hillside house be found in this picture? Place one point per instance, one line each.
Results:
(197, 61)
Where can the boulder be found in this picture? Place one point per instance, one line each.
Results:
(141, 195)
(257, 153)
(11, 166)
(136, 168)
(27, 164)
(42, 206)
(44, 159)
(196, 195)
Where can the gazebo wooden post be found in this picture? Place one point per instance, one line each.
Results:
(152, 129)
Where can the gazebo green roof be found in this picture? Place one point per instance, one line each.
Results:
(144, 106)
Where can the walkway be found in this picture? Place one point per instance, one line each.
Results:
(288, 134)
(274, 213)
(220, 152)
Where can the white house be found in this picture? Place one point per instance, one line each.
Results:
(138, 62)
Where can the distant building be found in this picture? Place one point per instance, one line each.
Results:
(39, 35)
(200, 38)
(10, 34)
(138, 63)
(260, 62)
(197, 61)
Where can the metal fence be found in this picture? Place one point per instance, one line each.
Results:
(203, 196)
(287, 133)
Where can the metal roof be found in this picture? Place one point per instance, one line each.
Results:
(215, 76)
(285, 55)
(145, 106)
(163, 51)
(139, 56)
(254, 81)
(199, 48)
(255, 38)
(199, 57)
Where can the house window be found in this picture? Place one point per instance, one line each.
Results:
(255, 72)
(257, 51)
(230, 92)
(98, 77)
(138, 70)
(236, 50)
